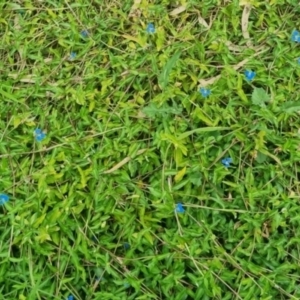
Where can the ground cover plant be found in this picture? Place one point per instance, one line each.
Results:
(149, 149)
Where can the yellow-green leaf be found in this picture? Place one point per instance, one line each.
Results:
(242, 95)
(180, 175)
(199, 114)
(148, 237)
(43, 236)
(39, 221)
(160, 41)
(82, 176)
(178, 156)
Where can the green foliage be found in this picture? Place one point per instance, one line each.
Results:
(164, 76)
(153, 111)
(128, 135)
(260, 97)
(291, 106)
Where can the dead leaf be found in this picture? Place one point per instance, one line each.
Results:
(244, 2)
(123, 162)
(245, 22)
(234, 48)
(28, 79)
(206, 82)
(203, 22)
(141, 115)
(178, 10)
(134, 11)
(47, 60)
(265, 232)
(16, 23)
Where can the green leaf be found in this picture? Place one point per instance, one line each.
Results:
(199, 130)
(180, 175)
(260, 97)
(164, 76)
(291, 106)
(153, 110)
(265, 152)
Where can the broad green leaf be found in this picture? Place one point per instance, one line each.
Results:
(199, 114)
(148, 237)
(9, 96)
(178, 156)
(153, 110)
(291, 106)
(164, 76)
(177, 143)
(242, 95)
(260, 97)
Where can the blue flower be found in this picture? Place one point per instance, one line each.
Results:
(39, 135)
(126, 246)
(150, 28)
(84, 33)
(295, 36)
(226, 162)
(3, 198)
(250, 75)
(204, 92)
(71, 297)
(72, 55)
(179, 208)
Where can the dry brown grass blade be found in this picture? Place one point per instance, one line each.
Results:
(178, 10)
(245, 23)
(123, 162)
(135, 11)
(206, 82)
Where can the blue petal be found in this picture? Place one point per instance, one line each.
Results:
(126, 246)
(3, 198)
(250, 75)
(179, 208)
(39, 137)
(295, 36)
(39, 134)
(204, 92)
(71, 297)
(72, 55)
(150, 28)
(227, 161)
(37, 131)
(84, 33)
